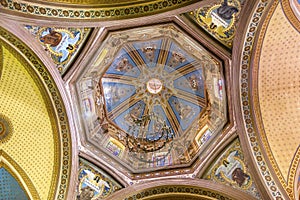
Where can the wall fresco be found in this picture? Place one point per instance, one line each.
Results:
(230, 168)
(94, 183)
(62, 44)
(220, 19)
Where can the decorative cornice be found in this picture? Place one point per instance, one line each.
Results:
(56, 110)
(179, 187)
(111, 11)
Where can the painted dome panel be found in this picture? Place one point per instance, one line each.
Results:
(163, 109)
(124, 65)
(192, 83)
(149, 51)
(116, 93)
(177, 57)
(156, 125)
(185, 111)
(126, 119)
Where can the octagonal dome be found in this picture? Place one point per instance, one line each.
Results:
(152, 98)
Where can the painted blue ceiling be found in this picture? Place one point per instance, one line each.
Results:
(125, 86)
(9, 187)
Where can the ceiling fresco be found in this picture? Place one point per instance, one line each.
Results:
(169, 99)
(152, 100)
(219, 20)
(229, 168)
(94, 183)
(61, 44)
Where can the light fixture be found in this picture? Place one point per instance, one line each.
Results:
(140, 140)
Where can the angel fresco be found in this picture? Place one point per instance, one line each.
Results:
(232, 170)
(220, 19)
(92, 185)
(60, 42)
(226, 11)
(239, 176)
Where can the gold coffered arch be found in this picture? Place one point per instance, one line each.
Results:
(40, 144)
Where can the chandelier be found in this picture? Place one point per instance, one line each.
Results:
(140, 140)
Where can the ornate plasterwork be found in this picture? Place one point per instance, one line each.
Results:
(284, 162)
(110, 12)
(117, 81)
(165, 191)
(59, 121)
(245, 98)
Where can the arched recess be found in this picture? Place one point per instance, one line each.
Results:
(26, 145)
(19, 174)
(176, 188)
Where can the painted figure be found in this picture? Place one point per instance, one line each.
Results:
(61, 43)
(149, 52)
(124, 65)
(239, 176)
(132, 117)
(225, 11)
(184, 111)
(194, 82)
(53, 38)
(176, 59)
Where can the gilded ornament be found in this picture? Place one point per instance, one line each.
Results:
(6, 128)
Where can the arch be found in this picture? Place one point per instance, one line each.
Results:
(19, 174)
(291, 9)
(55, 110)
(173, 188)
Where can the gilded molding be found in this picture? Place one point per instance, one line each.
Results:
(246, 97)
(178, 190)
(104, 13)
(56, 111)
(288, 186)
(19, 174)
(164, 188)
(1, 60)
(289, 13)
